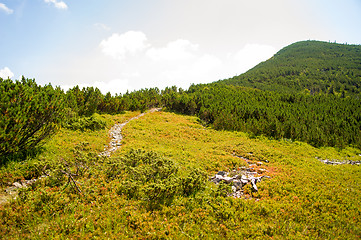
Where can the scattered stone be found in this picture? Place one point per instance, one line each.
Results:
(253, 182)
(239, 180)
(250, 174)
(17, 185)
(338, 162)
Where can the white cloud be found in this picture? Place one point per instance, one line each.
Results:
(174, 51)
(4, 8)
(179, 62)
(102, 26)
(207, 65)
(250, 56)
(6, 73)
(58, 4)
(119, 46)
(114, 86)
(203, 68)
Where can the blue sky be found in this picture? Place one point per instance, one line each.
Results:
(119, 45)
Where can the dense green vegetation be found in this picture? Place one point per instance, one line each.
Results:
(316, 66)
(155, 186)
(321, 120)
(314, 97)
(309, 91)
(119, 199)
(29, 114)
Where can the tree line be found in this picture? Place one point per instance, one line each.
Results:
(320, 120)
(30, 113)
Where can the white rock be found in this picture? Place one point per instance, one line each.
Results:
(18, 185)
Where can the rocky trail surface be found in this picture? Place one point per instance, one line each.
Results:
(116, 134)
(116, 137)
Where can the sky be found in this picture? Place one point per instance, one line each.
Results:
(120, 45)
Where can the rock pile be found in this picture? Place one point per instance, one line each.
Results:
(239, 178)
(338, 162)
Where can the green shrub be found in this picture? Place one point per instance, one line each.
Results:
(148, 177)
(30, 114)
(192, 183)
(94, 122)
(222, 190)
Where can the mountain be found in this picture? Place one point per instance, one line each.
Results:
(309, 91)
(312, 65)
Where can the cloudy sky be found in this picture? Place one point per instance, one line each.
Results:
(120, 45)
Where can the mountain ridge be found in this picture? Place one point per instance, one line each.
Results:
(313, 66)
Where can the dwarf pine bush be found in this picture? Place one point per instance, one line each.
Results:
(30, 113)
(151, 178)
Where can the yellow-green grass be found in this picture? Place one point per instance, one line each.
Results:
(304, 199)
(59, 148)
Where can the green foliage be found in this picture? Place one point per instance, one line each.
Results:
(142, 99)
(87, 101)
(310, 92)
(321, 120)
(222, 190)
(94, 122)
(161, 193)
(84, 101)
(319, 67)
(152, 179)
(29, 114)
(304, 199)
(192, 183)
(65, 172)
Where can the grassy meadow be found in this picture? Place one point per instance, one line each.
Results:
(303, 199)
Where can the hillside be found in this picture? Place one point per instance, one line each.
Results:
(304, 198)
(320, 120)
(220, 161)
(309, 91)
(313, 65)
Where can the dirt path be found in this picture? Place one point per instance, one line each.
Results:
(116, 134)
(116, 137)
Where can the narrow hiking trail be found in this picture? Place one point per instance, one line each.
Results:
(116, 134)
(116, 137)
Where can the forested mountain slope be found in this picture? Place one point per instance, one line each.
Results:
(313, 65)
(320, 120)
(309, 91)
